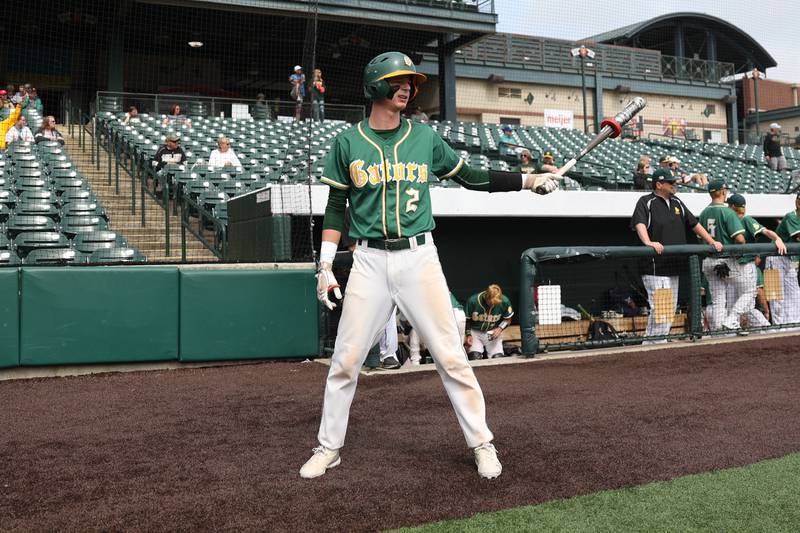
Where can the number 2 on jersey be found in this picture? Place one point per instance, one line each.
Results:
(411, 204)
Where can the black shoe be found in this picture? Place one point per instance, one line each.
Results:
(475, 356)
(390, 363)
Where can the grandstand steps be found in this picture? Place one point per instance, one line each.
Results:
(150, 239)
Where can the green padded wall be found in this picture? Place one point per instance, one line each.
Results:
(248, 314)
(98, 315)
(9, 317)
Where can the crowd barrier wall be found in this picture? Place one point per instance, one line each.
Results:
(67, 315)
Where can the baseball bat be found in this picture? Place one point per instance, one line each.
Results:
(611, 127)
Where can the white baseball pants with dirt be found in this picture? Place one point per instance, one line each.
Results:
(414, 344)
(413, 280)
(481, 341)
(742, 278)
(651, 283)
(388, 342)
(787, 310)
(747, 288)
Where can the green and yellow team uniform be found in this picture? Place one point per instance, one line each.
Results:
(752, 229)
(386, 177)
(481, 317)
(721, 222)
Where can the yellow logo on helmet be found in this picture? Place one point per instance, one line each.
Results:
(407, 61)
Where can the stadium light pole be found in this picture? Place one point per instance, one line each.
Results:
(583, 52)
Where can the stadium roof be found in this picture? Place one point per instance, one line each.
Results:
(732, 44)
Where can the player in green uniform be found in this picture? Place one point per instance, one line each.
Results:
(787, 309)
(724, 226)
(382, 166)
(752, 231)
(488, 314)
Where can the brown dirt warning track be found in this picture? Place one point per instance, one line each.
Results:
(219, 448)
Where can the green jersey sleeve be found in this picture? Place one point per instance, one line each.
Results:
(336, 172)
(789, 228)
(445, 162)
(507, 310)
(731, 222)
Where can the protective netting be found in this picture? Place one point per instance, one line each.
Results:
(587, 297)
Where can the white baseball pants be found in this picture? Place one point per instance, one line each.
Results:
(388, 342)
(415, 346)
(651, 283)
(742, 289)
(787, 310)
(742, 278)
(412, 280)
(480, 340)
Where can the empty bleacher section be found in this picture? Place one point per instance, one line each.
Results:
(288, 156)
(49, 212)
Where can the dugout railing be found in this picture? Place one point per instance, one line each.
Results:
(587, 297)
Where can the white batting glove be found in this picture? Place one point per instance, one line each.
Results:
(326, 282)
(544, 183)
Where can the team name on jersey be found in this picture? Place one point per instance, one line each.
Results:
(376, 174)
(485, 317)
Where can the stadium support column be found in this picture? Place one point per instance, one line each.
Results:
(116, 60)
(598, 99)
(447, 78)
(733, 136)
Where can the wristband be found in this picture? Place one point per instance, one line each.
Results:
(503, 324)
(327, 252)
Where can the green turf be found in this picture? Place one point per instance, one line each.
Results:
(761, 497)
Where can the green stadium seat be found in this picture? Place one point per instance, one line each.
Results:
(73, 225)
(35, 240)
(54, 256)
(96, 240)
(117, 255)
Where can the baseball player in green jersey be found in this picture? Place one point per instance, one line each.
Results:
(787, 309)
(724, 226)
(748, 287)
(382, 166)
(488, 313)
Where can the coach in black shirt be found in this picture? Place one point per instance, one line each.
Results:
(660, 219)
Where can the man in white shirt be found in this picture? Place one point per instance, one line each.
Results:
(224, 156)
(19, 132)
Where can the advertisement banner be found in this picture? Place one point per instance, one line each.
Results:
(558, 118)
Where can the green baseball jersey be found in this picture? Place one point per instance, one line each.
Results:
(789, 228)
(752, 229)
(482, 318)
(455, 303)
(387, 179)
(721, 222)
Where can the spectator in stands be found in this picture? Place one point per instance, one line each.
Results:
(19, 95)
(223, 156)
(132, 115)
(261, 111)
(488, 314)
(318, 96)
(525, 163)
(8, 123)
(48, 131)
(701, 180)
(660, 219)
(175, 117)
(20, 131)
(641, 177)
(507, 141)
(169, 153)
(548, 162)
(664, 162)
(419, 115)
(5, 103)
(298, 92)
(35, 102)
(772, 148)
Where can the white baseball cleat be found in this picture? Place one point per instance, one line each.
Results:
(489, 466)
(322, 460)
